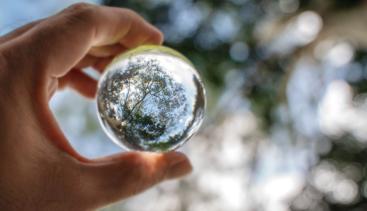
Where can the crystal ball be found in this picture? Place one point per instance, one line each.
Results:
(151, 99)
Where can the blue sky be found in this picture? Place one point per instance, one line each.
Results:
(16, 13)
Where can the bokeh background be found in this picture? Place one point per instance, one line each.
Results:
(286, 126)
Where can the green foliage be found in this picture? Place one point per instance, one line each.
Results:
(265, 75)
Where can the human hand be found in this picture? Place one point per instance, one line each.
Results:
(39, 170)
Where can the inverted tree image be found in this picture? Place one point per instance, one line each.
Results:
(143, 104)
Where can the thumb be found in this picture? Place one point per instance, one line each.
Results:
(117, 177)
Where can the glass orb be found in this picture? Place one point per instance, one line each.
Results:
(150, 99)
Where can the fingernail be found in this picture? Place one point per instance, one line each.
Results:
(179, 165)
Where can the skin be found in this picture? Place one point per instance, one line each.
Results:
(39, 170)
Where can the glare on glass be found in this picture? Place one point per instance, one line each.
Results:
(151, 99)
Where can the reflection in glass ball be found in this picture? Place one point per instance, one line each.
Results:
(151, 99)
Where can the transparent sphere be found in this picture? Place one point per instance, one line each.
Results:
(151, 99)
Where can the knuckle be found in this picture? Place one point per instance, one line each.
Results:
(81, 11)
(80, 7)
(129, 12)
(137, 165)
(139, 168)
(151, 170)
(131, 15)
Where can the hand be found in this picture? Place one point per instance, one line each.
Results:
(39, 170)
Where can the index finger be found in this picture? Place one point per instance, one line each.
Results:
(60, 42)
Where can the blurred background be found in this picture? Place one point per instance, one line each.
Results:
(286, 126)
